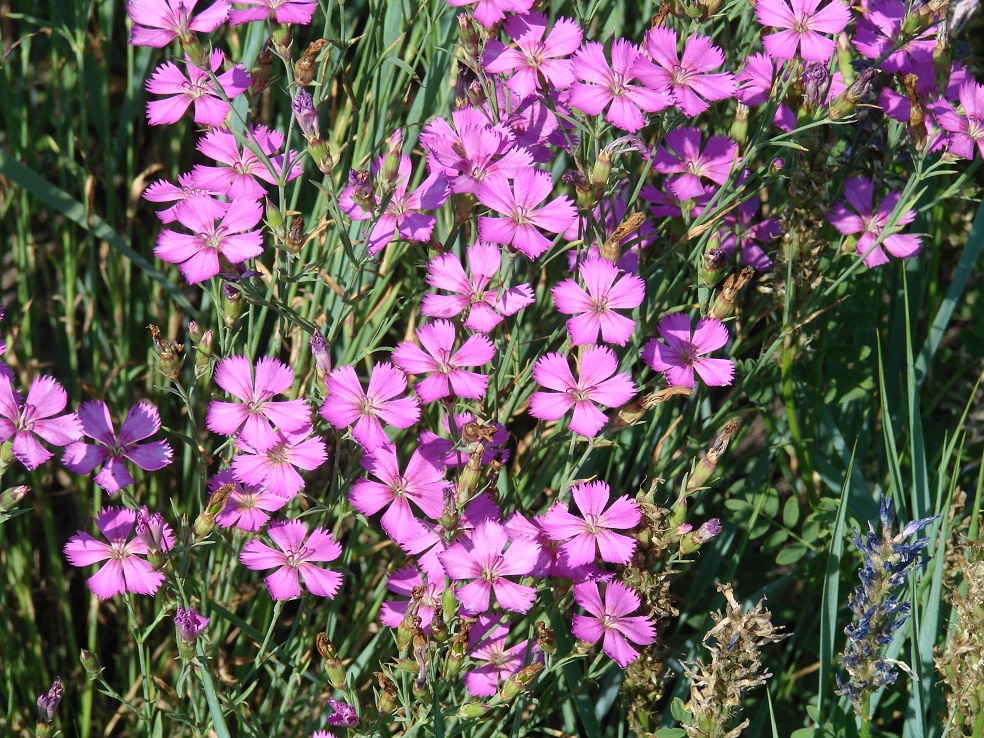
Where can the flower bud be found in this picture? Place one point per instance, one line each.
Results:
(90, 662)
(848, 100)
(519, 681)
(12, 495)
(205, 522)
(260, 72)
(195, 331)
(468, 39)
(473, 710)
(168, 354)
(203, 357)
(404, 632)
(280, 40)
(693, 540)
(150, 529)
(739, 126)
(714, 263)
(724, 303)
(941, 56)
(232, 306)
(389, 171)
(816, 82)
(333, 664)
(362, 189)
(306, 115)
(322, 359)
(922, 17)
(318, 150)
(274, 218)
(305, 67)
(386, 696)
(189, 625)
(48, 703)
(707, 464)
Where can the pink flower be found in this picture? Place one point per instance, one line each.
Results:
(423, 483)
(197, 254)
(683, 157)
(740, 230)
(803, 24)
(755, 80)
(878, 31)
(257, 410)
(446, 452)
(142, 421)
(967, 130)
(535, 56)
(448, 377)
(125, 570)
(158, 22)
(347, 404)
(238, 178)
(606, 289)
(475, 152)
(248, 508)
(297, 557)
(601, 86)
(197, 88)
(273, 467)
(164, 191)
(403, 582)
(298, 12)
(551, 562)
(689, 78)
(487, 643)
(864, 219)
(189, 624)
(490, 12)
(611, 620)
(595, 385)
(686, 349)
(487, 557)
(486, 308)
(344, 715)
(518, 204)
(34, 420)
(434, 538)
(580, 536)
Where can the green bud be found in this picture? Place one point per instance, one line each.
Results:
(519, 681)
(739, 126)
(274, 217)
(90, 662)
(472, 710)
(11, 496)
(318, 150)
(232, 306)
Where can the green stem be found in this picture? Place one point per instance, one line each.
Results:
(866, 716)
(214, 708)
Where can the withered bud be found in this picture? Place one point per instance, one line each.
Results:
(168, 354)
(942, 56)
(205, 523)
(632, 412)
(438, 628)
(386, 696)
(611, 249)
(707, 465)
(260, 73)
(917, 117)
(294, 240)
(519, 681)
(545, 638)
(329, 657)
(305, 67)
(468, 39)
(724, 302)
(922, 17)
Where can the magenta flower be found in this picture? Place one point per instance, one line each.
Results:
(348, 404)
(490, 12)
(298, 555)
(423, 483)
(344, 715)
(488, 644)
(601, 86)
(596, 384)
(755, 80)
(685, 351)
(864, 219)
(447, 377)
(189, 624)
(248, 508)
(803, 24)
(124, 570)
(142, 421)
(486, 308)
(158, 22)
(878, 30)
(536, 55)
(967, 130)
(552, 563)
(477, 151)
(273, 467)
(434, 538)
(257, 410)
(197, 254)
(164, 191)
(517, 203)
(403, 582)
(197, 88)
(297, 12)
(25, 424)
(237, 179)
(606, 289)
(487, 557)
(581, 536)
(689, 79)
(611, 620)
(683, 157)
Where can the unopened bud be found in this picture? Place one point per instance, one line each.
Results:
(322, 359)
(473, 710)
(693, 540)
(362, 189)
(318, 150)
(714, 263)
(848, 100)
(816, 82)
(12, 495)
(150, 529)
(90, 662)
(48, 703)
(386, 697)
(519, 681)
(306, 115)
(468, 39)
(333, 664)
(168, 354)
(601, 171)
(390, 169)
(404, 631)
(280, 40)
(922, 17)
(739, 126)
(203, 355)
(707, 464)
(195, 331)
(724, 303)
(232, 306)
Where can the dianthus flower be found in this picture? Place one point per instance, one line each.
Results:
(197, 88)
(487, 643)
(859, 193)
(158, 22)
(535, 54)
(437, 358)
(517, 203)
(490, 12)
(164, 191)
(486, 308)
(247, 508)
(348, 404)
(124, 570)
(142, 421)
(606, 289)
(581, 536)
(610, 620)
(879, 28)
(258, 409)
(297, 12)
(966, 131)
(802, 24)
(431, 541)
(683, 352)
(681, 155)
(597, 383)
(297, 558)
(25, 424)
(273, 467)
(237, 179)
(476, 152)
(403, 582)
(689, 78)
(601, 85)
(344, 715)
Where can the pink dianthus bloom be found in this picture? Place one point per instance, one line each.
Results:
(158, 22)
(248, 508)
(197, 88)
(581, 537)
(273, 467)
(297, 558)
(125, 570)
(517, 203)
(297, 12)
(686, 349)
(403, 582)
(864, 219)
(486, 308)
(142, 421)
(25, 424)
(344, 715)
(878, 31)
(447, 377)
(433, 538)
(552, 563)
(606, 289)
(596, 384)
(536, 55)
(487, 643)
(477, 151)
(802, 24)
(682, 156)
(348, 404)
(237, 179)
(689, 79)
(601, 86)
(197, 254)
(611, 620)
(966, 131)
(422, 483)
(164, 191)
(490, 12)
(258, 409)
(487, 557)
